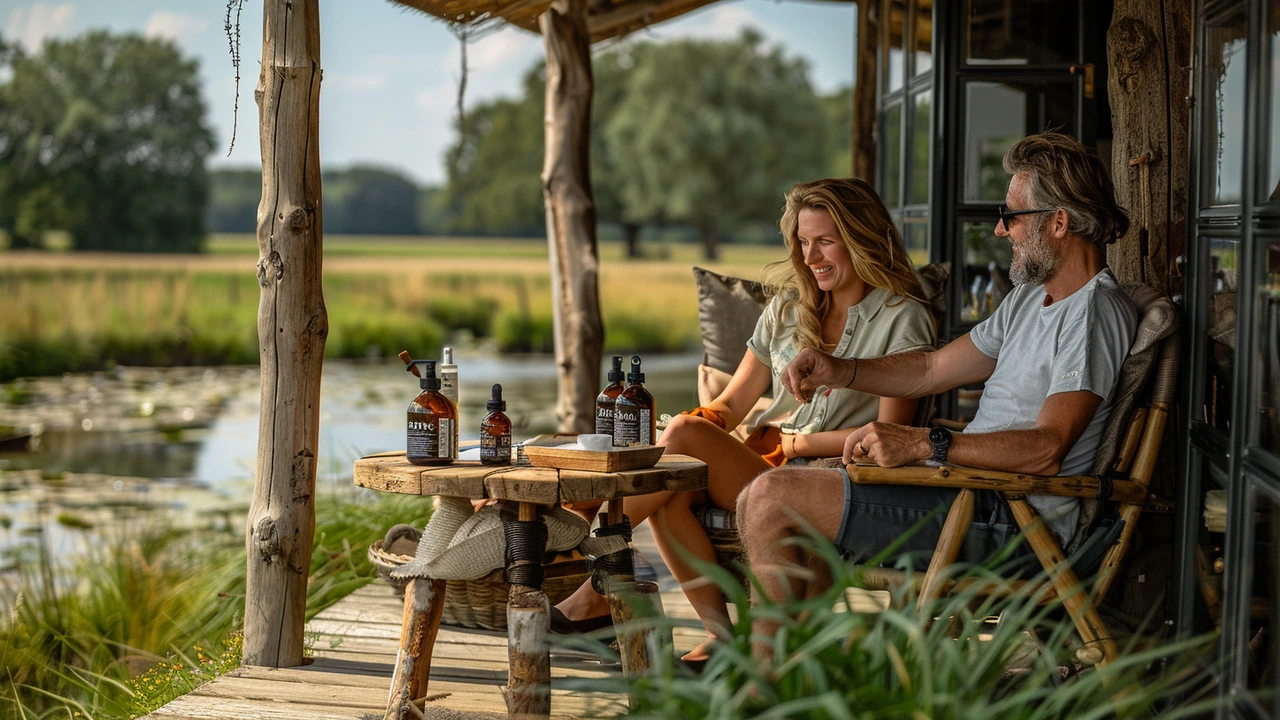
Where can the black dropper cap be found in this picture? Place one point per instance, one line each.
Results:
(615, 375)
(496, 402)
(635, 376)
(429, 380)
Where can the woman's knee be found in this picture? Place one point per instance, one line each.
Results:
(683, 429)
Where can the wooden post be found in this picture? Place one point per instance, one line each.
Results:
(632, 606)
(528, 690)
(292, 326)
(954, 530)
(571, 213)
(423, 608)
(1149, 59)
(864, 92)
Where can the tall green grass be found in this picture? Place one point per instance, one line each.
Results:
(68, 312)
(155, 610)
(832, 662)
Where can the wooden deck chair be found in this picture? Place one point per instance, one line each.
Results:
(1121, 474)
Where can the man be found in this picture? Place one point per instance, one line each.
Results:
(1050, 356)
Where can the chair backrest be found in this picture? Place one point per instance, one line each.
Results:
(1157, 325)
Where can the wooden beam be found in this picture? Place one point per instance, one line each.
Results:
(292, 326)
(1149, 59)
(864, 93)
(571, 214)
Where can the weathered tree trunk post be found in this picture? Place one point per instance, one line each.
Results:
(1149, 58)
(864, 94)
(571, 213)
(292, 326)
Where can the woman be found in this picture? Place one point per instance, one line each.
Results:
(847, 288)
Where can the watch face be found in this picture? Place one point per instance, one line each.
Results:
(938, 435)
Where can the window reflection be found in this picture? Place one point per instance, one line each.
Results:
(892, 154)
(1264, 621)
(997, 115)
(1268, 352)
(916, 239)
(1224, 124)
(984, 279)
(919, 192)
(1220, 322)
(1271, 180)
(923, 35)
(1034, 32)
(895, 46)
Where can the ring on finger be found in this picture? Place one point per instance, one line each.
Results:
(861, 450)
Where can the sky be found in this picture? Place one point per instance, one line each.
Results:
(391, 75)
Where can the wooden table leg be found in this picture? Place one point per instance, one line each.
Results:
(423, 606)
(632, 606)
(528, 691)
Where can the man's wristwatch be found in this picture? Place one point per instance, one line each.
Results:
(940, 439)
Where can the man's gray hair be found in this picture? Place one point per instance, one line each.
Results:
(1062, 173)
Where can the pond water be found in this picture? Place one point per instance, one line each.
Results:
(204, 459)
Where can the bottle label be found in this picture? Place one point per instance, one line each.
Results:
(448, 442)
(604, 419)
(495, 447)
(626, 423)
(425, 434)
(449, 386)
(646, 426)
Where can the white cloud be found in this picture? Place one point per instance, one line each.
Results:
(174, 26)
(374, 80)
(509, 50)
(30, 27)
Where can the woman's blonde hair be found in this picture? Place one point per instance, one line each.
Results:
(869, 236)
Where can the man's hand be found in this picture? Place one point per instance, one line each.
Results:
(812, 369)
(887, 445)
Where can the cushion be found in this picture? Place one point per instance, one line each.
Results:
(728, 309)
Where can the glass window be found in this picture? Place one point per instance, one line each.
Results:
(984, 279)
(1220, 323)
(1264, 621)
(1271, 180)
(1267, 354)
(892, 148)
(921, 103)
(1223, 135)
(923, 35)
(916, 240)
(894, 47)
(1032, 32)
(997, 115)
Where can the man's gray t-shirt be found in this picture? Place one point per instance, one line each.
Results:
(1077, 343)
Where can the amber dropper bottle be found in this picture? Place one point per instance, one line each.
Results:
(495, 431)
(634, 421)
(607, 397)
(432, 426)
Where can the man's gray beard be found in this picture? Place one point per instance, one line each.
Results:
(1035, 264)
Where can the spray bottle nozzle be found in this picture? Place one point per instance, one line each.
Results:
(635, 376)
(615, 373)
(429, 380)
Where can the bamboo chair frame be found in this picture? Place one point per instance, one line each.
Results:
(1126, 483)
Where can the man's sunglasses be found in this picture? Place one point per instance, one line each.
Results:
(1003, 214)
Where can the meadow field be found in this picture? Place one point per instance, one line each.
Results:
(84, 311)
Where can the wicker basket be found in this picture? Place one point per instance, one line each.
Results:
(482, 603)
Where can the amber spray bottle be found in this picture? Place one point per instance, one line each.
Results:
(432, 427)
(495, 431)
(607, 397)
(634, 420)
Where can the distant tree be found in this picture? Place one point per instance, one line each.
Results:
(432, 219)
(233, 200)
(370, 200)
(103, 135)
(839, 111)
(712, 133)
(495, 166)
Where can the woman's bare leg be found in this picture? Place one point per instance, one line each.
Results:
(730, 466)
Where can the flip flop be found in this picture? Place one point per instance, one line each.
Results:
(562, 625)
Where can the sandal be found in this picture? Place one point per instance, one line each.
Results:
(562, 625)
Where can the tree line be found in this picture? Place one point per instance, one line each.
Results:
(103, 136)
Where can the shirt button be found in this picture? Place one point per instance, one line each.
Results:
(848, 332)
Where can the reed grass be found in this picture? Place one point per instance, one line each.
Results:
(155, 610)
(75, 312)
(833, 662)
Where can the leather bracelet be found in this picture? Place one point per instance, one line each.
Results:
(855, 372)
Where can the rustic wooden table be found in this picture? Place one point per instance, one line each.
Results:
(533, 488)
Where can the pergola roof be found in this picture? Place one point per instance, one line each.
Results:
(605, 18)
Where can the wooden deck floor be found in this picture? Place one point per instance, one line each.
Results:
(354, 644)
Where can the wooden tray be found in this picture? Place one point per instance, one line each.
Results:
(615, 460)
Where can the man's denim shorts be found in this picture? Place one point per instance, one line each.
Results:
(875, 516)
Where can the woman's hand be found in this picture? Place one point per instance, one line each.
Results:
(812, 369)
(887, 445)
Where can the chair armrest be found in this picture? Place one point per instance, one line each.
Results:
(920, 475)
